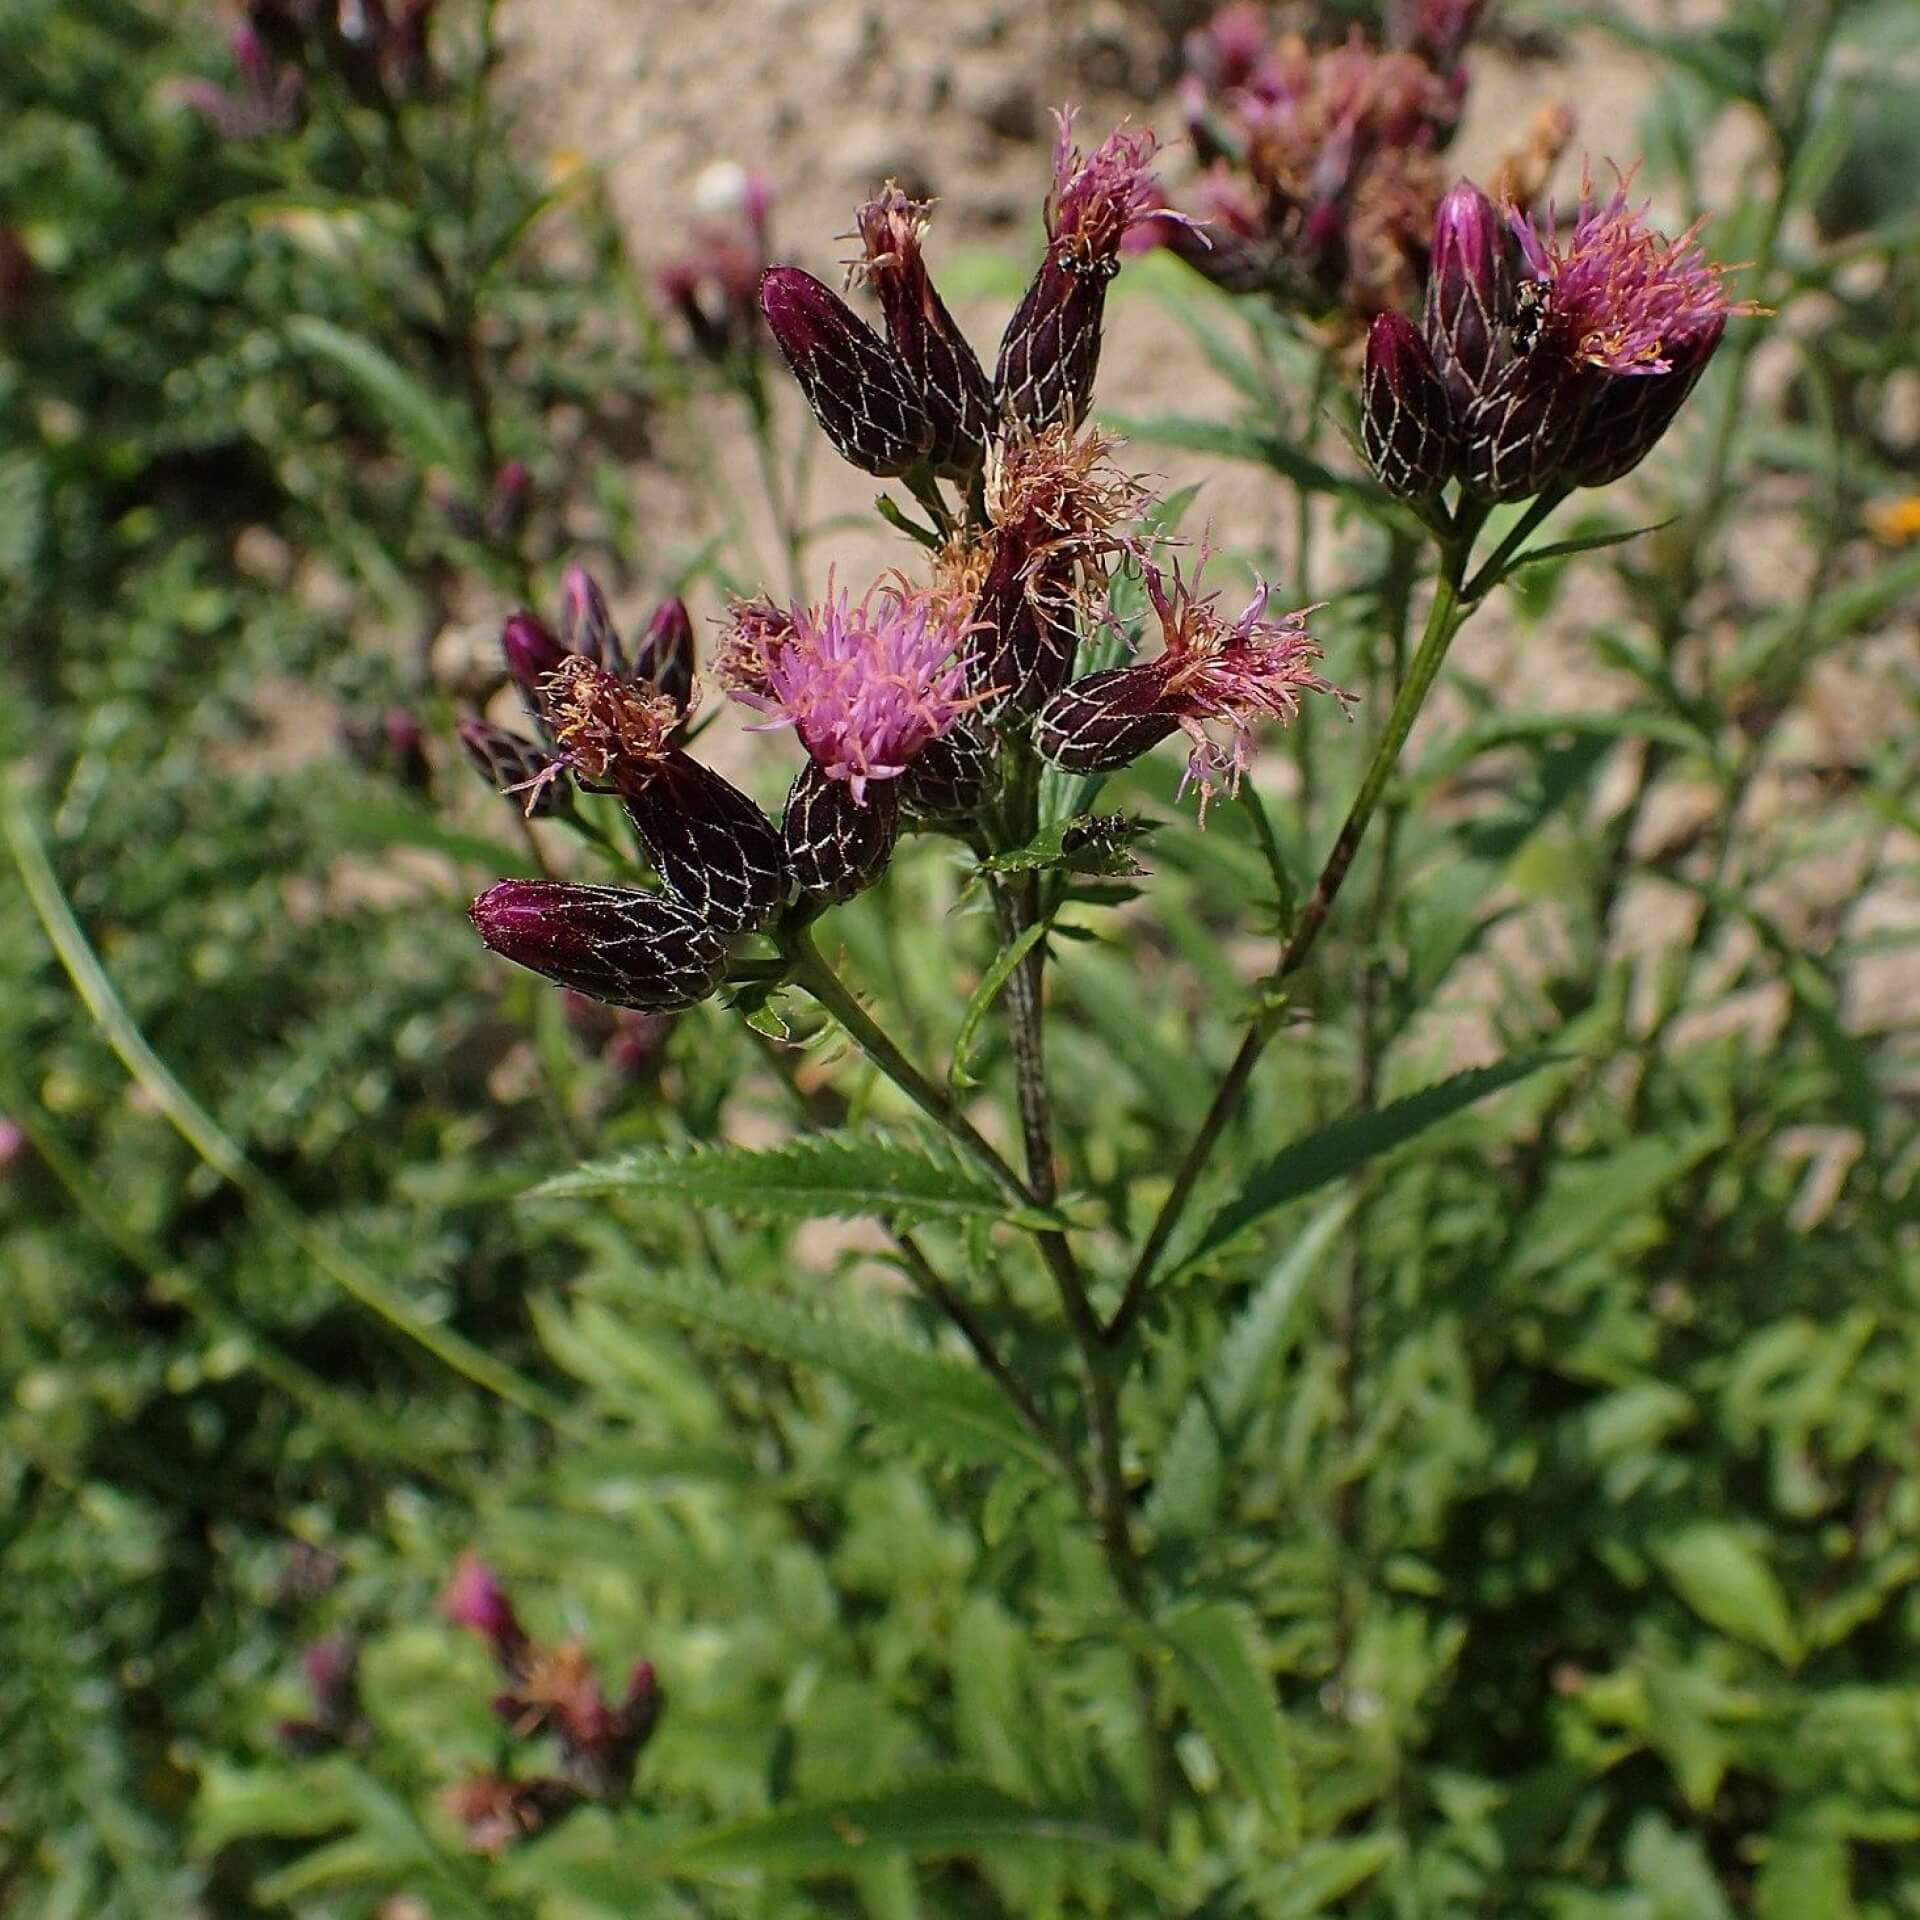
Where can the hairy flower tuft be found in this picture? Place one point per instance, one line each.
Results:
(609, 730)
(1097, 197)
(1617, 296)
(1210, 670)
(865, 686)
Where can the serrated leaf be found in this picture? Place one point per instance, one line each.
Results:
(1187, 1489)
(1232, 1702)
(820, 1176)
(929, 1820)
(1349, 1144)
(1725, 1582)
(930, 1396)
(408, 407)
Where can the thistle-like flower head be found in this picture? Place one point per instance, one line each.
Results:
(864, 685)
(1617, 296)
(1096, 197)
(1239, 671)
(611, 731)
(1210, 670)
(1058, 491)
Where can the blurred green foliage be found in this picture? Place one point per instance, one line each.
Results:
(1529, 1496)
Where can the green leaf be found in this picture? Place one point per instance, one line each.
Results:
(1234, 440)
(1580, 543)
(1232, 1701)
(929, 1820)
(1188, 1487)
(373, 822)
(1094, 843)
(959, 1074)
(1807, 1871)
(1322, 1872)
(1349, 1144)
(1729, 1586)
(820, 1176)
(415, 414)
(931, 1396)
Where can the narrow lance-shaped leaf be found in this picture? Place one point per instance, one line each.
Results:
(1349, 1144)
(842, 1176)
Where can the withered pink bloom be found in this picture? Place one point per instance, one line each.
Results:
(1211, 671)
(865, 686)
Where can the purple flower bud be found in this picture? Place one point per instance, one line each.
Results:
(664, 656)
(1628, 416)
(1050, 351)
(1030, 630)
(13, 1143)
(512, 764)
(1517, 437)
(1405, 419)
(942, 366)
(1465, 292)
(618, 944)
(836, 845)
(530, 650)
(947, 779)
(586, 627)
(332, 1669)
(473, 1597)
(713, 848)
(861, 394)
(1210, 669)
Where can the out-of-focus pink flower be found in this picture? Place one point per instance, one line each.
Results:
(475, 1599)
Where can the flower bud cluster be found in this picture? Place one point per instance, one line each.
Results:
(917, 397)
(1543, 361)
(905, 699)
(378, 51)
(547, 1693)
(712, 285)
(1320, 170)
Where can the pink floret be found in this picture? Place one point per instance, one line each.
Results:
(865, 686)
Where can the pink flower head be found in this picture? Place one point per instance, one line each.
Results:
(475, 1599)
(1239, 672)
(1096, 198)
(1210, 670)
(1618, 296)
(864, 686)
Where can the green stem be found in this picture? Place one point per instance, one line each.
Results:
(1444, 619)
(811, 971)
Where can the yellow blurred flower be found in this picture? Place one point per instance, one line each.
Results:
(1894, 521)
